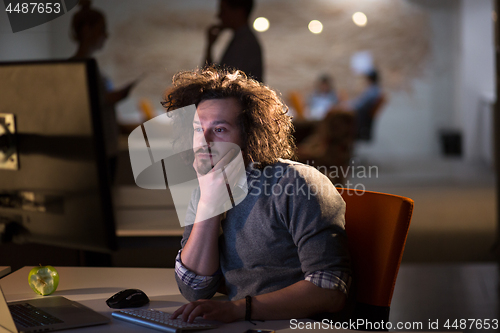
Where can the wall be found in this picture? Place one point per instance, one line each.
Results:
(29, 44)
(411, 123)
(477, 75)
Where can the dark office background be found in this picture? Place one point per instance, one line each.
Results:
(433, 140)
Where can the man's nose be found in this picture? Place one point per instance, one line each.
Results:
(208, 134)
(199, 139)
(202, 139)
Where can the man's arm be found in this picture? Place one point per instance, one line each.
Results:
(194, 287)
(201, 252)
(199, 258)
(299, 300)
(197, 263)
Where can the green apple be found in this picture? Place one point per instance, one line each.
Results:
(43, 280)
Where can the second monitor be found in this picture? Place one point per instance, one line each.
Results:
(54, 186)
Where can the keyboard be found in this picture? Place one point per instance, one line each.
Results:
(29, 316)
(161, 321)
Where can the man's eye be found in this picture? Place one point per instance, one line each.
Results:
(218, 130)
(198, 129)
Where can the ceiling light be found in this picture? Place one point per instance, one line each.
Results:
(359, 19)
(315, 26)
(261, 24)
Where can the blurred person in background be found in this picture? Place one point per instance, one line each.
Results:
(244, 51)
(366, 105)
(332, 142)
(88, 29)
(322, 99)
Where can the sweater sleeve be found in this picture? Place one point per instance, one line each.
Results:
(331, 280)
(315, 217)
(192, 286)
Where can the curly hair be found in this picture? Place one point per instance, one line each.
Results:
(264, 121)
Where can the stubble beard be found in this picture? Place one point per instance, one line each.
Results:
(203, 166)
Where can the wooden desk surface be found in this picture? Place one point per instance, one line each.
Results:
(92, 286)
(4, 270)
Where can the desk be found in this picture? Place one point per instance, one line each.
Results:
(4, 270)
(92, 286)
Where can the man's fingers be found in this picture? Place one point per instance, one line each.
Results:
(187, 310)
(213, 33)
(198, 311)
(179, 311)
(208, 309)
(214, 30)
(234, 170)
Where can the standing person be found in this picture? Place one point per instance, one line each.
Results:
(88, 28)
(244, 51)
(281, 253)
(90, 32)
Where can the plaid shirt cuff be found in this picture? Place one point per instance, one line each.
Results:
(189, 278)
(331, 280)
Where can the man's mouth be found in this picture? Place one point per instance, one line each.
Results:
(204, 155)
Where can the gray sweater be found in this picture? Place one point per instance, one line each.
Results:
(290, 225)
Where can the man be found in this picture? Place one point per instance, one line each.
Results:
(322, 99)
(244, 51)
(282, 252)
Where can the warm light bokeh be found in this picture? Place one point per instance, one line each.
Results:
(261, 24)
(359, 19)
(315, 26)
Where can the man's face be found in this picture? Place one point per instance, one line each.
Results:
(215, 123)
(230, 17)
(224, 13)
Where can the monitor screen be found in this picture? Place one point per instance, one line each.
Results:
(54, 185)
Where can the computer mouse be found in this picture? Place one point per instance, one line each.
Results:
(128, 298)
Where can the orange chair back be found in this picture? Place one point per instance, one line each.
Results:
(376, 226)
(297, 103)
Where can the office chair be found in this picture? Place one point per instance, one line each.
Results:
(376, 226)
(381, 101)
(297, 103)
(366, 121)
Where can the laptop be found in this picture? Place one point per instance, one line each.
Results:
(50, 313)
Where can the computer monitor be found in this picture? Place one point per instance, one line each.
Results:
(54, 187)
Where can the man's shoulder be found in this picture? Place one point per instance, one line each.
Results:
(294, 165)
(245, 40)
(290, 170)
(245, 32)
